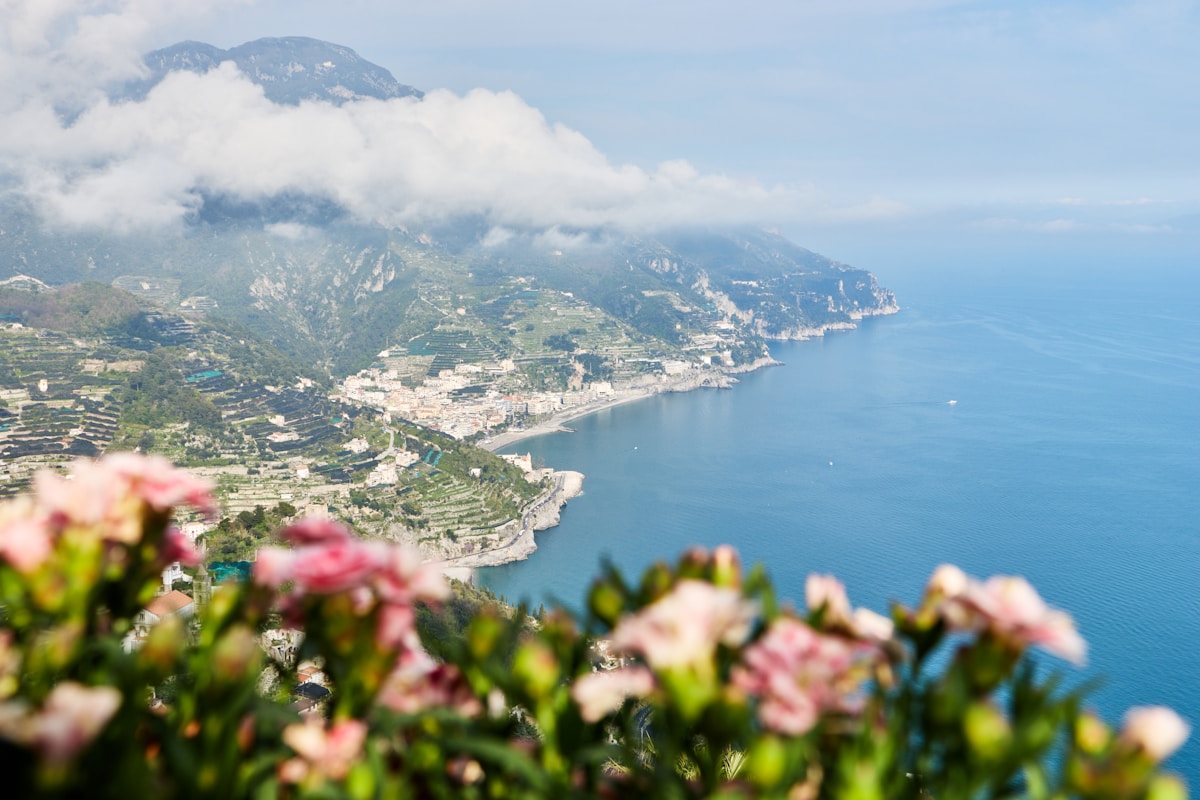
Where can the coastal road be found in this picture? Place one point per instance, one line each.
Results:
(522, 542)
(551, 496)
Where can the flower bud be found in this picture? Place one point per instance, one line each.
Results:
(360, 782)
(605, 602)
(726, 567)
(58, 645)
(1091, 734)
(10, 666)
(656, 581)
(483, 636)
(987, 731)
(163, 645)
(1167, 787)
(767, 764)
(947, 581)
(245, 734)
(694, 563)
(237, 655)
(221, 604)
(536, 668)
(465, 771)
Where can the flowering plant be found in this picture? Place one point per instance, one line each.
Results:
(694, 682)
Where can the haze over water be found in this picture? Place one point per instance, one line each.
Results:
(1070, 457)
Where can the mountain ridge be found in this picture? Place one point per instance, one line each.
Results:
(290, 69)
(331, 288)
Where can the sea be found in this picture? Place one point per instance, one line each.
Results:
(1035, 419)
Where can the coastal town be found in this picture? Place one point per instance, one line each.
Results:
(463, 402)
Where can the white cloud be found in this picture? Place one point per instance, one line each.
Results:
(289, 230)
(1066, 226)
(64, 51)
(1036, 226)
(401, 162)
(496, 237)
(558, 240)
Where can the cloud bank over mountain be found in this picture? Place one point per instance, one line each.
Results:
(83, 159)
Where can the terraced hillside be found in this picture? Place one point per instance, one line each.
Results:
(139, 377)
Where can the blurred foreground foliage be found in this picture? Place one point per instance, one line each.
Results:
(693, 681)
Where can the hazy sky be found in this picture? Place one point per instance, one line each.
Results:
(1056, 119)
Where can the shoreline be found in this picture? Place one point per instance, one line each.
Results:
(521, 546)
(549, 506)
(717, 379)
(545, 510)
(555, 424)
(541, 513)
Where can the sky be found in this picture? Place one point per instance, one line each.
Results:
(851, 126)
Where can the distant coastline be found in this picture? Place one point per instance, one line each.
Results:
(570, 484)
(722, 378)
(544, 511)
(718, 379)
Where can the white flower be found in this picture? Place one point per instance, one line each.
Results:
(1156, 730)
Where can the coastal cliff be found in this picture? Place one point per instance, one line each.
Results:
(518, 542)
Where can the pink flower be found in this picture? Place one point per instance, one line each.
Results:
(419, 683)
(316, 530)
(599, 694)
(947, 581)
(71, 718)
(337, 566)
(160, 484)
(872, 626)
(1155, 730)
(323, 753)
(177, 547)
(25, 543)
(826, 591)
(798, 674)
(684, 627)
(397, 628)
(89, 498)
(112, 494)
(404, 579)
(273, 567)
(1012, 609)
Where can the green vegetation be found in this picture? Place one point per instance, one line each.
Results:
(86, 308)
(236, 538)
(561, 342)
(157, 396)
(237, 383)
(443, 627)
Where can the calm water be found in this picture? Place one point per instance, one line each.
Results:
(1070, 457)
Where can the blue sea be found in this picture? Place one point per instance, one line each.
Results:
(1070, 457)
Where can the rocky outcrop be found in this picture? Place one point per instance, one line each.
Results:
(541, 514)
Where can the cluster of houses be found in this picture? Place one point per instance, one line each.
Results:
(455, 403)
(281, 644)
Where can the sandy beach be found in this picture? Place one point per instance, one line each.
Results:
(715, 379)
(556, 423)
